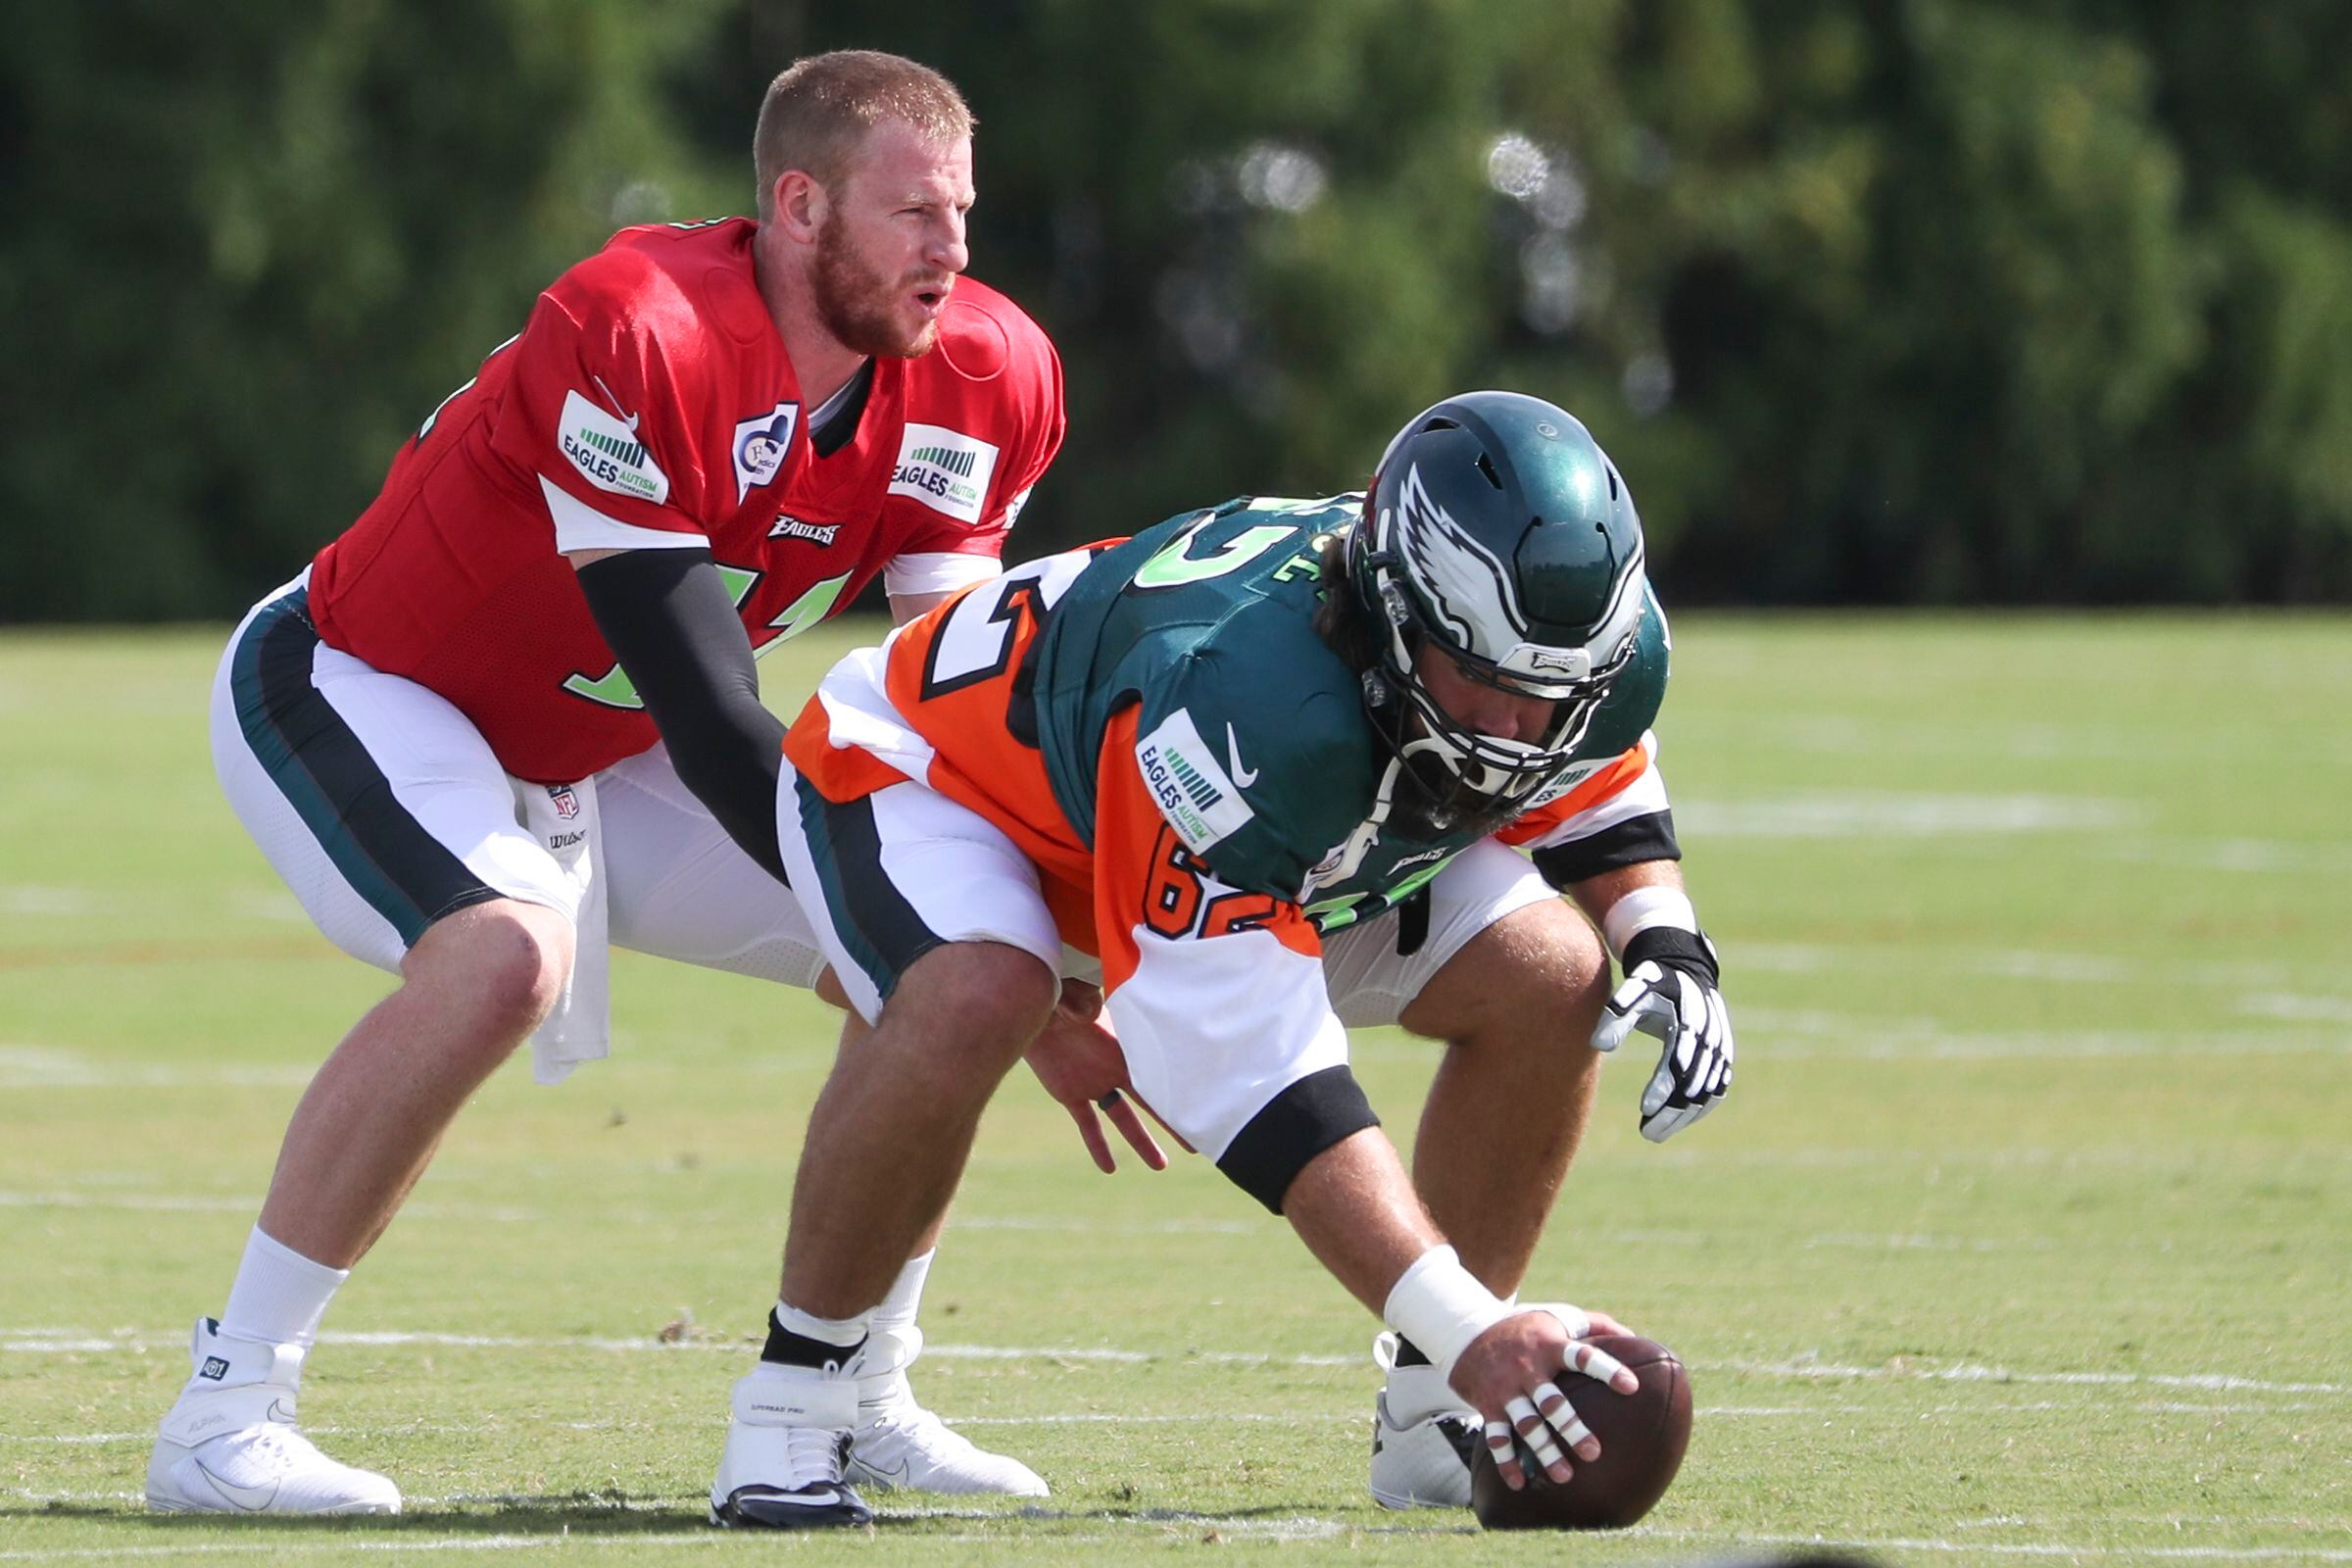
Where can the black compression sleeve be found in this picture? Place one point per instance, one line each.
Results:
(668, 620)
(1650, 837)
(1290, 1130)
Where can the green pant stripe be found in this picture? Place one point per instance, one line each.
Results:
(879, 929)
(404, 873)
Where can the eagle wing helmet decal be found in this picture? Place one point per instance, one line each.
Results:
(1457, 574)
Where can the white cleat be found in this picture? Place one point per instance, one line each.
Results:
(782, 1468)
(898, 1443)
(1422, 1437)
(230, 1444)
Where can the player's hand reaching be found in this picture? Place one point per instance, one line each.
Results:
(1669, 994)
(1509, 1375)
(1080, 1064)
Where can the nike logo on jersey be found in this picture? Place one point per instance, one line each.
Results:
(1196, 795)
(1242, 777)
(611, 402)
(250, 1499)
(607, 454)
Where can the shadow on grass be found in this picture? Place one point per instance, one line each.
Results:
(614, 1513)
(583, 1513)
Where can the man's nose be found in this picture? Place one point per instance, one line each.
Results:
(1517, 718)
(949, 250)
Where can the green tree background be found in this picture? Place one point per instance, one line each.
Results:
(1874, 301)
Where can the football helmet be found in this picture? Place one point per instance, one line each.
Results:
(1500, 533)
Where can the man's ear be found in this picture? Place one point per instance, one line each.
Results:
(801, 204)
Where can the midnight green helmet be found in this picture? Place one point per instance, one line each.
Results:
(1498, 530)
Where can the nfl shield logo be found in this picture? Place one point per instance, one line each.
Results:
(567, 804)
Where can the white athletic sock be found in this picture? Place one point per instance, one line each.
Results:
(840, 1330)
(278, 1295)
(905, 1293)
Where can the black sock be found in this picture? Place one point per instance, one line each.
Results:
(1409, 1354)
(787, 1348)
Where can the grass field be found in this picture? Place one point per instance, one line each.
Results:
(2025, 1236)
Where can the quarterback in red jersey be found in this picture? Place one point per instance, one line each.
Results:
(511, 718)
(650, 404)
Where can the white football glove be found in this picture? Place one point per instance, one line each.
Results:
(1670, 995)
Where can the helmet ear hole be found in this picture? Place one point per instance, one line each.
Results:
(1486, 465)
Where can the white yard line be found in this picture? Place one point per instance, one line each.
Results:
(255, 903)
(2211, 1381)
(197, 1203)
(1302, 1527)
(2255, 856)
(1348, 1417)
(92, 1076)
(2024, 1548)
(2283, 1023)
(1815, 1036)
(2028, 964)
(56, 1340)
(1846, 814)
(1160, 1227)
(510, 1214)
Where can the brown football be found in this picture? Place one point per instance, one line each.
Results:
(1642, 1435)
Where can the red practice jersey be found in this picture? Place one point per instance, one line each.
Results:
(647, 402)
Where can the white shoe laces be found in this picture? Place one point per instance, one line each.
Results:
(814, 1454)
(272, 1449)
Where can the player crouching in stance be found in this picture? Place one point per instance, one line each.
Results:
(511, 718)
(1264, 760)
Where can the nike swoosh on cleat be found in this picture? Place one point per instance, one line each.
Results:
(1242, 777)
(250, 1499)
(890, 1474)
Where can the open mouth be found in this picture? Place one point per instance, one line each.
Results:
(930, 299)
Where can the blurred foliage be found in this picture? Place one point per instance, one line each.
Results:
(1908, 301)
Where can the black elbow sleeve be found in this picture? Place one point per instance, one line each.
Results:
(1290, 1130)
(673, 626)
(1649, 837)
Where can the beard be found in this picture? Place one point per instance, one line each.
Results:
(858, 305)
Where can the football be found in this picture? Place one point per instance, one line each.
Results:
(1642, 1435)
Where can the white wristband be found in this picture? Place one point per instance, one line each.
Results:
(1440, 1306)
(1643, 909)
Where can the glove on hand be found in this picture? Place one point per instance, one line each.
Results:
(1670, 993)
